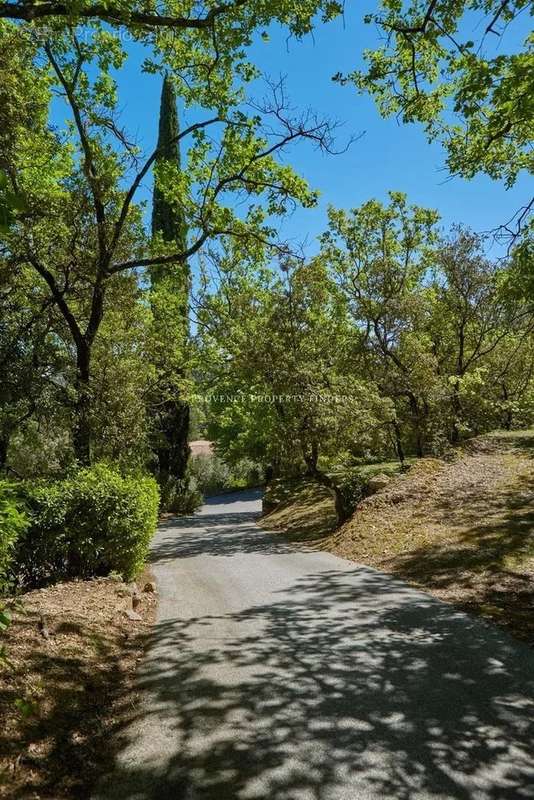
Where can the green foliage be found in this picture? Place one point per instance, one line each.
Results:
(26, 708)
(392, 342)
(168, 220)
(84, 230)
(122, 376)
(276, 348)
(214, 475)
(13, 524)
(351, 486)
(11, 204)
(91, 523)
(180, 496)
(428, 66)
(211, 473)
(170, 287)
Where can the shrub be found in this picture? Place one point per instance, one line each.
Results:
(91, 523)
(13, 523)
(351, 488)
(246, 473)
(214, 475)
(211, 473)
(181, 496)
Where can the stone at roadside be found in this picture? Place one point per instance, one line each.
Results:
(378, 482)
(133, 615)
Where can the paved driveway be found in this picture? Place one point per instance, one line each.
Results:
(282, 674)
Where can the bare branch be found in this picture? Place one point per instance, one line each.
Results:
(490, 28)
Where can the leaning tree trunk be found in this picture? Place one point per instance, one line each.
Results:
(311, 457)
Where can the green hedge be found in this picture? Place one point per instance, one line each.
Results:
(351, 486)
(13, 524)
(92, 523)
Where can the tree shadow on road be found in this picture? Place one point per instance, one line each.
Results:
(216, 531)
(345, 685)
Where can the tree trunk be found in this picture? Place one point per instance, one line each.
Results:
(343, 509)
(398, 442)
(508, 412)
(311, 457)
(81, 437)
(4, 445)
(456, 410)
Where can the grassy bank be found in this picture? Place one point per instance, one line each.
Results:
(462, 529)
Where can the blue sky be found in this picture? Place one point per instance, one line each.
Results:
(388, 155)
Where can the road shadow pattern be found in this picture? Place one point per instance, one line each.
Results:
(345, 678)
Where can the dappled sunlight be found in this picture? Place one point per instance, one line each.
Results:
(346, 684)
(216, 530)
(464, 531)
(489, 556)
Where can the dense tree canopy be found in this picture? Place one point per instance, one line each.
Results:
(393, 339)
(85, 201)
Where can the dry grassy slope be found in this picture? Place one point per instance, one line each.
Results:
(65, 692)
(302, 508)
(462, 529)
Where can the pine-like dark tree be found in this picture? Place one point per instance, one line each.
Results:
(170, 413)
(166, 220)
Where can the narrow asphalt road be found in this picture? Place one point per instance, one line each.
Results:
(281, 674)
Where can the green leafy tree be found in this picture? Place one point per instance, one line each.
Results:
(83, 229)
(378, 255)
(282, 391)
(478, 336)
(166, 220)
(475, 96)
(30, 357)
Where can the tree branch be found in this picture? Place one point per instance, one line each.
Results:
(142, 173)
(410, 29)
(60, 301)
(29, 11)
(90, 168)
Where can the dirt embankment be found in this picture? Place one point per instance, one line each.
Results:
(462, 529)
(72, 650)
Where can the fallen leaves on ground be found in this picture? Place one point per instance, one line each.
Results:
(68, 686)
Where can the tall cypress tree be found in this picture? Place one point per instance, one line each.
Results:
(166, 220)
(170, 413)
